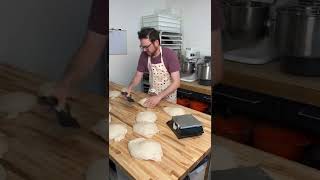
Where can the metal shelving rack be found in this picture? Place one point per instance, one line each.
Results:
(172, 40)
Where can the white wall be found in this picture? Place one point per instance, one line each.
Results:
(127, 15)
(196, 23)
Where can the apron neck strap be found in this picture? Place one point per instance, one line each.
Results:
(161, 54)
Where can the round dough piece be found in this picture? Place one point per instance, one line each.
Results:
(114, 94)
(16, 102)
(174, 111)
(140, 148)
(98, 170)
(124, 89)
(142, 101)
(222, 159)
(101, 129)
(46, 89)
(146, 116)
(146, 129)
(117, 132)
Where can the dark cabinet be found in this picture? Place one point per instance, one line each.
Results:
(183, 93)
(301, 116)
(233, 100)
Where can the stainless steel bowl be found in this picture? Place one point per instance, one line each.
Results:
(204, 72)
(246, 21)
(298, 32)
(187, 67)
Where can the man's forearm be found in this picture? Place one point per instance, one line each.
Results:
(84, 59)
(170, 89)
(136, 80)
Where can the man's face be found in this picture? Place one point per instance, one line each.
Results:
(147, 46)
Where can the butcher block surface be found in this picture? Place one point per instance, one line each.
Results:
(180, 155)
(39, 148)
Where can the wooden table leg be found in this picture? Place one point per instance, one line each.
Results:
(207, 168)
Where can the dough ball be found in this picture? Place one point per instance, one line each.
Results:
(46, 89)
(140, 148)
(142, 101)
(98, 170)
(101, 129)
(146, 129)
(124, 90)
(146, 116)
(16, 102)
(117, 132)
(174, 111)
(114, 94)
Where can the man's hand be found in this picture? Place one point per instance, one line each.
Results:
(60, 91)
(135, 81)
(129, 89)
(152, 101)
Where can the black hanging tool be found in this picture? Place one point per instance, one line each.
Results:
(129, 98)
(64, 115)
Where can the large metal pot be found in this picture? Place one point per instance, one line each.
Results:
(297, 32)
(204, 72)
(246, 21)
(188, 67)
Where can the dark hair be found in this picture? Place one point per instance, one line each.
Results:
(149, 33)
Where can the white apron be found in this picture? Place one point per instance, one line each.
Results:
(160, 79)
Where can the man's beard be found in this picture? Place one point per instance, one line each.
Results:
(155, 52)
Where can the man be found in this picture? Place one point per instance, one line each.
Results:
(163, 67)
(88, 54)
(216, 40)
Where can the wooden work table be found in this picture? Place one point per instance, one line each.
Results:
(269, 79)
(39, 147)
(195, 87)
(276, 167)
(180, 155)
